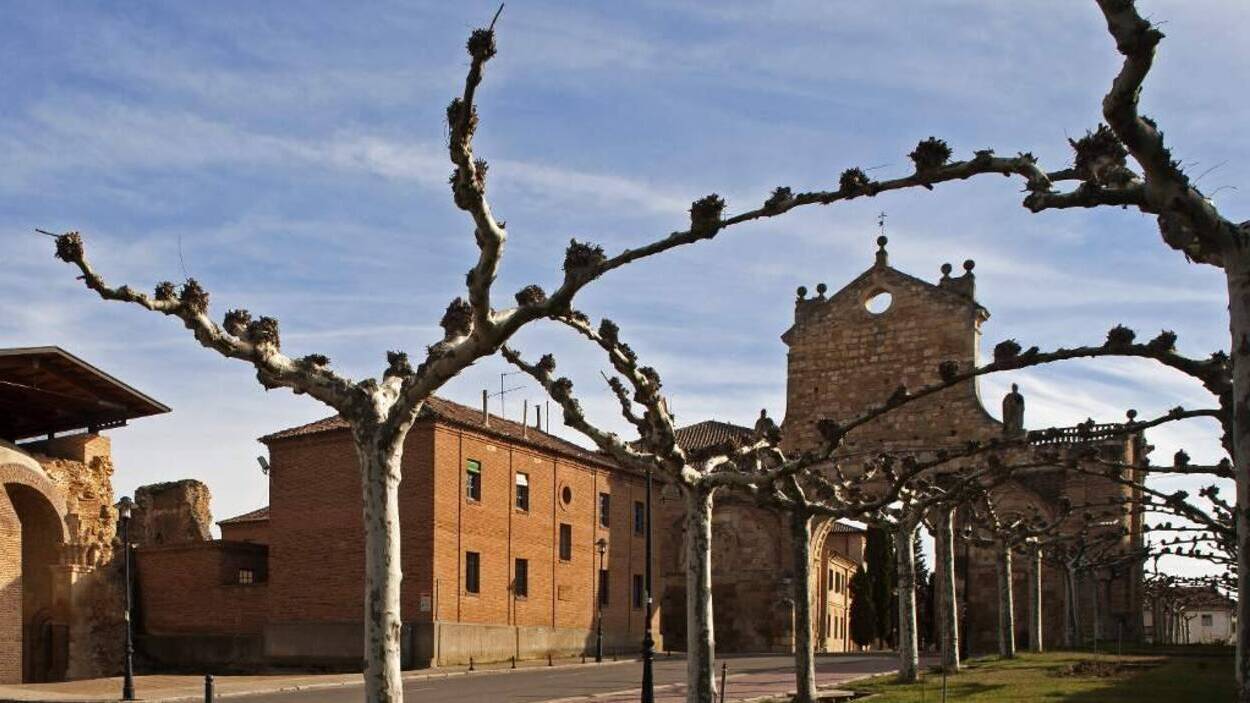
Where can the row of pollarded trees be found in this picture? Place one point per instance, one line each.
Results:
(897, 492)
(380, 411)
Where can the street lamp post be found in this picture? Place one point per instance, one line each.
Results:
(124, 509)
(602, 544)
(648, 642)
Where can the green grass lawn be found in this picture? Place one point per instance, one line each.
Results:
(1175, 676)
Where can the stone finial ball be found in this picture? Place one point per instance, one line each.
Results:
(969, 264)
(1132, 414)
(821, 288)
(946, 269)
(801, 292)
(882, 240)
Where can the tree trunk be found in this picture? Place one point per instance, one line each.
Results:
(1071, 624)
(804, 654)
(947, 600)
(1097, 610)
(905, 561)
(700, 639)
(1006, 604)
(380, 474)
(1237, 270)
(1035, 599)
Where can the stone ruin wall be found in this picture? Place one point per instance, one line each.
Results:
(88, 587)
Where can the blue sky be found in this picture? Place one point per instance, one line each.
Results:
(290, 156)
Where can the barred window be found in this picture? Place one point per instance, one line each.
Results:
(472, 572)
(566, 542)
(521, 582)
(523, 492)
(473, 479)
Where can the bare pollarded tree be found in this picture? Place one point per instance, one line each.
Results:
(878, 493)
(1006, 532)
(754, 466)
(760, 466)
(380, 412)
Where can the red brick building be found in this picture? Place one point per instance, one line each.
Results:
(500, 529)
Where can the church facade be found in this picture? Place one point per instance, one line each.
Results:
(847, 352)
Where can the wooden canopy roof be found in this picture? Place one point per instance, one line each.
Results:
(47, 389)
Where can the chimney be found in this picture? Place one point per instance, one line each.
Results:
(485, 412)
(525, 417)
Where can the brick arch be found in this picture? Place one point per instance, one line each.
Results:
(23, 475)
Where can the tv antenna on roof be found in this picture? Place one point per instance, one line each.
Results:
(503, 392)
(881, 221)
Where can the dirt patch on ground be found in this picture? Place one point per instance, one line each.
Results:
(1098, 668)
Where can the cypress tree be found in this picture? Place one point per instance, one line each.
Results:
(863, 612)
(879, 554)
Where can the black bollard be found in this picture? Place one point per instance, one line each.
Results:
(209, 691)
(470, 663)
(514, 661)
(549, 659)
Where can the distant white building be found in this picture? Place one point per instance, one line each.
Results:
(1194, 616)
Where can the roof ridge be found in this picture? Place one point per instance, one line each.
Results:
(464, 415)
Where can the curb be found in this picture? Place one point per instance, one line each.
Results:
(312, 686)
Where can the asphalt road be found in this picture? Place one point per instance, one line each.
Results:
(531, 685)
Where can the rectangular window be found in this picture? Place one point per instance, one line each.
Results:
(566, 542)
(247, 576)
(523, 492)
(472, 573)
(521, 583)
(603, 586)
(1206, 621)
(640, 517)
(473, 479)
(605, 508)
(640, 590)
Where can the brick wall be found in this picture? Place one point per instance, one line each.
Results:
(561, 594)
(210, 571)
(317, 564)
(10, 592)
(256, 532)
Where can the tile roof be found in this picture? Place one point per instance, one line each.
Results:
(258, 515)
(1205, 597)
(710, 435)
(441, 409)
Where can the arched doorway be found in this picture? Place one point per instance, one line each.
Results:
(32, 532)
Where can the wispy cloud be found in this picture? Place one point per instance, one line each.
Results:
(295, 161)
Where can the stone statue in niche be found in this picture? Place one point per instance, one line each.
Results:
(1013, 412)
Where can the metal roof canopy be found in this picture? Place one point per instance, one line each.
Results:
(46, 389)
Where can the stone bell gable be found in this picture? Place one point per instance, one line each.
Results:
(883, 331)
